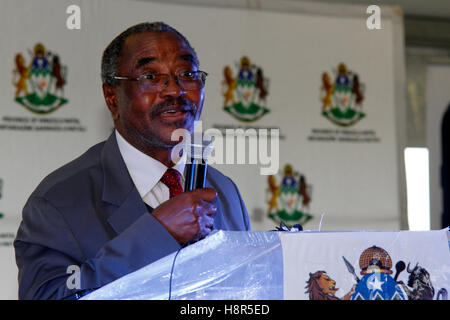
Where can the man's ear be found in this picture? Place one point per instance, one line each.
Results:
(110, 94)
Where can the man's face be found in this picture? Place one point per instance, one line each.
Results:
(148, 119)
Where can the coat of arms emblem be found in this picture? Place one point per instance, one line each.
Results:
(245, 93)
(342, 97)
(378, 281)
(289, 197)
(40, 83)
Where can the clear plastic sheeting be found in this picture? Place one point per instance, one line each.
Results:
(226, 265)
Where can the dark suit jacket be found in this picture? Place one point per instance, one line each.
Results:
(89, 214)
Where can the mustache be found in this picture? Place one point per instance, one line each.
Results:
(180, 104)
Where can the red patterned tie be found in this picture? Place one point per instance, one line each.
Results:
(172, 179)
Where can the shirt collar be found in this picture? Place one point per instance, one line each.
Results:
(144, 170)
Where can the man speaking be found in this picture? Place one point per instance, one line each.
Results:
(121, 205)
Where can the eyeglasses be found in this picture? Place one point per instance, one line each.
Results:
(155, 82)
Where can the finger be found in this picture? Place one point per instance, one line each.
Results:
(203, 232)
(207, 194)
(209, 223)
(205, 208)
(205, 221)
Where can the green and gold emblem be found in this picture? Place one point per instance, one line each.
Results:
(342, 97)
(289, 197)
(245, 94)
(40, 83)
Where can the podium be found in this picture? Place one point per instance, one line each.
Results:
(255, 265)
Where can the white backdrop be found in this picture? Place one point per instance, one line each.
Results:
(357, 185)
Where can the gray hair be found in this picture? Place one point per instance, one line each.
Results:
(113, 50)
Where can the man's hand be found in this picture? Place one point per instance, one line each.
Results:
(188, 214)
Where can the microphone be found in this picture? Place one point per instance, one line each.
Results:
(196, 168)
(195, 172)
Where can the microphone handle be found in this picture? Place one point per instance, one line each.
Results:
(195, 175)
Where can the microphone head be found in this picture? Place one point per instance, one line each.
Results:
(196, 167)
(201, 148)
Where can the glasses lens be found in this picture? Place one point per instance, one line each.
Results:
(189, 80)
(152, 82)
(192, 80)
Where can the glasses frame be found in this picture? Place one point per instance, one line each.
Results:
(142, 77)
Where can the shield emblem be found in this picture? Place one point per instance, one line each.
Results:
(40, 83)
(342, 99)
(245, 94)
(289, 200)
(244, 91)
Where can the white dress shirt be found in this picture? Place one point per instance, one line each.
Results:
(146, 173)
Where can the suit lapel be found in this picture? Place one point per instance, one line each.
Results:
(131, 209)
(123, 202)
